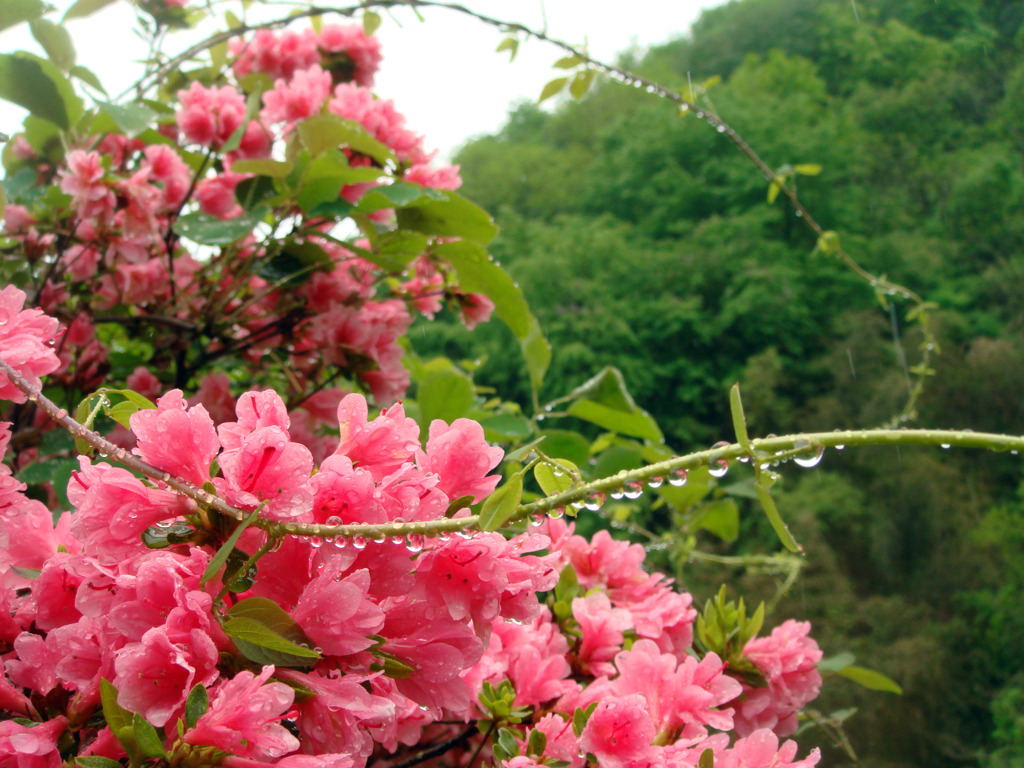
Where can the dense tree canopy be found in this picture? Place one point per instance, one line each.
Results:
(645, 242)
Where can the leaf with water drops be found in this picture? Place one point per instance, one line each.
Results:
(501, 505)
(553, 480)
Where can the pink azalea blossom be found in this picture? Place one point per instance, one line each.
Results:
(761, 750)
(461, 457)
(177, 439)
(31, 747)
(619, 732)
(243, 718)
(24, 342)
(788, 658)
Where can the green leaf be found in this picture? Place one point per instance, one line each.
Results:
(88, 77)
(196, 704)
(450, 215)
(294, 263)
(371, 21)
(552, 480)
(323, 180)
(636, 424)
(501, 505)
(323, 132)
(477, 273)
(780, 528)
(506, 425)
(397, 195)
(95, 761)
(116, 716)
(205, 229)
(568, 62)
(40, 87)
(271, 615)
(808, 169)
(608, 388)
(16, 11)
(447, 395)
(132, 119)
(86, 8)
(45, 471)
(55, 40)
(581, 83)
(721, 517)
(277, 169)
(868, 678)
(552, 87)
(262, 645)
(122, 412)
(568, 444)
(510, 44)
(773, 190)
(149, 741)
(837, 662)
(706, 759)
(214, 566)
(739, 422)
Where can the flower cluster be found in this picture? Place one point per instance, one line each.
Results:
(270, 650)
(122, 245)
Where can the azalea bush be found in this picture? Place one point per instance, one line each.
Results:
(245, 524)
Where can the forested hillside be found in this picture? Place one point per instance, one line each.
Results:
(644, 240)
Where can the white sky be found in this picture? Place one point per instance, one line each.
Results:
(443, 75)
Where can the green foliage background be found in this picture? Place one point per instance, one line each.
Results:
(643, 240)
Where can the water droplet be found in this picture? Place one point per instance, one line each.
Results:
(594, 501)
(840, 447)
(398, 538)
(618, 493)
(810, 461)
(316, 541)
(444, 536)
(634, 489)
(720, 129)
(1014, 453)
(333, 520)
(462, 533)
(359, 542)
(945, 446)
(537, 521)
(556, 513)
(414, 542)
(340, 543)
(678, 478)
(655, 482)
(799, 213)
(718, 467)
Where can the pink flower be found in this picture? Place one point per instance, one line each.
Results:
(380, 446)
(298, 98)
(602, 627)
(216, 195)
(114, 508)
(788, 658)
(143, 381)
(362, 53)
(619, 731)
(214, 394)
(336, 613)
(177, 439)
(31, 747)
(243, 717)
(761, 750)
(476, 308)
(83, 180)
(380, 118)
(24, 342)
(209, 116)
(336, 719)
(461, 457)
(682, 697)
(155, 675)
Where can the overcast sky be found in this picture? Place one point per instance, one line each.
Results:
(443, 75)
